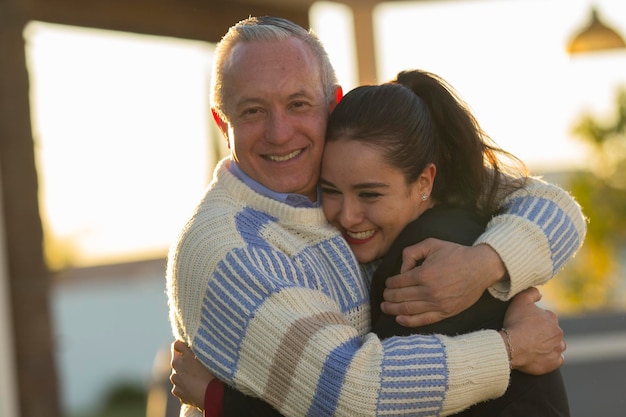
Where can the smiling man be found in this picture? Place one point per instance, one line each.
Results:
(275, 132)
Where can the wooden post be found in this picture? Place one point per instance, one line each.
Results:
(364, 38)
(28, 278)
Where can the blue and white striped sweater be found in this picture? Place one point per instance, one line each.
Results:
(261, 304)
(264, 271)
(549, 228)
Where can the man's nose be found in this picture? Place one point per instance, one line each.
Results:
(280, 128)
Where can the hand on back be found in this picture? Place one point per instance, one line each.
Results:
(536, 338)
(451, 279)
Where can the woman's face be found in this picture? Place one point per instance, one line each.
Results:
(368, 200)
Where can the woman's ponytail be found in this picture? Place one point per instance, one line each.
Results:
(468, 170)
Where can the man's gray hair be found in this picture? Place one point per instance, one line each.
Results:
(267, 28)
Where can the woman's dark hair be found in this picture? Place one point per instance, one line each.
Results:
(417, 119)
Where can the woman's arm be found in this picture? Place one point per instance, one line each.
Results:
(192, 383)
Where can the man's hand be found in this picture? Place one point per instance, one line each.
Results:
(189, 377)
(536, 338)
(451, 279)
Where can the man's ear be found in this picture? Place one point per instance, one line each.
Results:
(221, 124)
(337, 98)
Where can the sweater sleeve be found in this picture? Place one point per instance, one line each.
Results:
(187, 410)
(293, 347)
(548, 226)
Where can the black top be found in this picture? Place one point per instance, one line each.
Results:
(451, 224)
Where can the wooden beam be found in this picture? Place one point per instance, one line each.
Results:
(206, 20)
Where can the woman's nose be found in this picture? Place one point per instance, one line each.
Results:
(351, 214)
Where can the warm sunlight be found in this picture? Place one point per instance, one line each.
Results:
(122, 129)
(506, 59)
(122, 137)
(514, 73)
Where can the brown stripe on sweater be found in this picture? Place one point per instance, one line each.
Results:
(295, 341)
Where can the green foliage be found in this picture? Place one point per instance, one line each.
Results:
(592, 131)
(607, 140)
(125, 394)
(124, 399)
(590, 281)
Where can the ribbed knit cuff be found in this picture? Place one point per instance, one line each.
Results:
(478, 366)
(189, 411)
(518, 242)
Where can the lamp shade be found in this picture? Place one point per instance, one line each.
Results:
(595, 37)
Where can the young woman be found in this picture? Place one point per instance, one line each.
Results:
(419, 166)
(406, 161)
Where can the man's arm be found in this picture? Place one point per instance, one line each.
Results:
(540, 227)
(295, 348)
(534, 344)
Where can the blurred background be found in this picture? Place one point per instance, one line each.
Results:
(107, 143)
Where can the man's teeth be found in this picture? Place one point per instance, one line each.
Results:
(284, 158)
(361, 235)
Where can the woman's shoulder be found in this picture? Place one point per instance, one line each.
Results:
(446, 223)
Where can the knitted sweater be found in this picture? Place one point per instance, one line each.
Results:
(273, 302)
(548, 228)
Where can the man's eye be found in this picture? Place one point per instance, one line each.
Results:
(369, 194)
(299, 104)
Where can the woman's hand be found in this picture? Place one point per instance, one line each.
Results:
(189, 377)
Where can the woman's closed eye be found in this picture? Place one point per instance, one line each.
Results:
(370, 194)
(330, 191)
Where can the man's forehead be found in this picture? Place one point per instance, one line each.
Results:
(279, 53)
(262, 70)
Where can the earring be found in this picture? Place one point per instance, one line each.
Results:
(424, 196)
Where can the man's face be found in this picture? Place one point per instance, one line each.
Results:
(277, 113)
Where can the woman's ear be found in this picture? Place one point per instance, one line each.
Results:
(221, 124)
(427, 179)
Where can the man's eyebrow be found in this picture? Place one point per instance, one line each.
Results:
(298, 94)
(247, 101)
